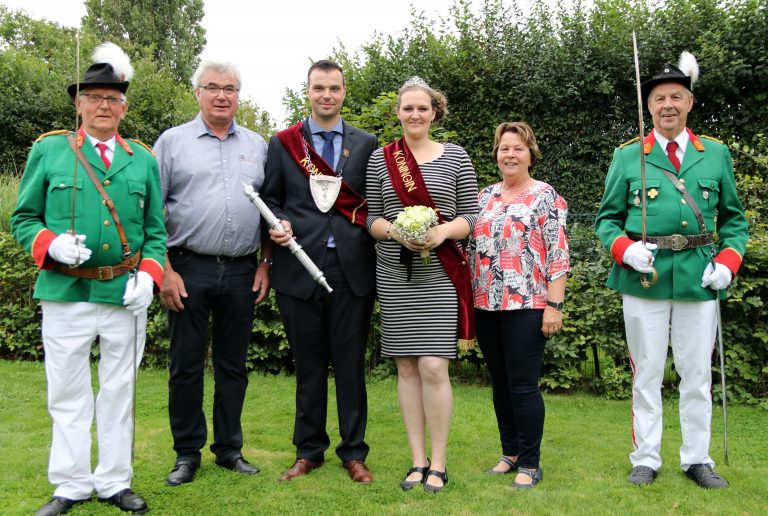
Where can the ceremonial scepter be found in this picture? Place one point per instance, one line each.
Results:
(77, 129)
(293, 245)
(654, 275)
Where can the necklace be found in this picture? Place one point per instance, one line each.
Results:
(516, 189)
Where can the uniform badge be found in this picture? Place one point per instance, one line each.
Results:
(141, 204)
(705, 194)
(636, 202)
(345, 153)
(653, 193)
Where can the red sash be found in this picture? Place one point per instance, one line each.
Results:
(410, 188)
(349, 203)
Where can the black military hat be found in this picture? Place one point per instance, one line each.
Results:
(99, 74)
(668, 73)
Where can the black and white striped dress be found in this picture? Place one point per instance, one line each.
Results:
(419, 317)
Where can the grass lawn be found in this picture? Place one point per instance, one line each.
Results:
(584, 457)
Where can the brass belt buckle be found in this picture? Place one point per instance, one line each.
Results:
(106, 273)
(678, 242)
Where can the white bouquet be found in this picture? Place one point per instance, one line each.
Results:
(413, 223)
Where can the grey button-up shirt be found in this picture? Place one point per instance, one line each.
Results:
(202, 180)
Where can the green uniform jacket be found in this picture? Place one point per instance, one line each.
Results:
(707, 173)
(44, 210)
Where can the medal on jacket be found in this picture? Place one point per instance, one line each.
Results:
(653, 193)
(705, 194)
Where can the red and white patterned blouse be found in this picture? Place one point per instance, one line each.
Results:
(516, 249)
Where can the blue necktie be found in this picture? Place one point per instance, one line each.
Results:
(328, 147)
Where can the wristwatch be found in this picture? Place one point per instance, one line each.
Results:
(557, 306)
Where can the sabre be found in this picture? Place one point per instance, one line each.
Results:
(77, 128)
(721, 352)
(654, 275)
(293, 245)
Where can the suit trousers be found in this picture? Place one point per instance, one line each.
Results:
(221, 290)
(69, 331)
(649, 323)
(329, 328)
(513, 347)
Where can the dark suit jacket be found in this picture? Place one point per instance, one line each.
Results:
(286, 192)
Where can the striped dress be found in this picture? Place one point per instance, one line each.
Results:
(419, 317)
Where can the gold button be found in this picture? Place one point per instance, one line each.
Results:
(683, 201)
(107, 223)
(106, 182)
(682, 180)
(684, 223)
(105, 247)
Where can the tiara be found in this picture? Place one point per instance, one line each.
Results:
(416, 81)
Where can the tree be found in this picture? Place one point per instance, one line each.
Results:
(169, 31)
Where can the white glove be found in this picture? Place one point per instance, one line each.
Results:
(716, 279)
(69, 250)
(138, 292)
(639, 257)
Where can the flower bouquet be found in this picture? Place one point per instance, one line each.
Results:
(413, 223)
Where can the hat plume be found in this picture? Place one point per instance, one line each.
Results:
(689, 66)
(114, 55)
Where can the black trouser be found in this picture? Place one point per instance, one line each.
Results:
(329, 328)
(513, 348)
(221, 289)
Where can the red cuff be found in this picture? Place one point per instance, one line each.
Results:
(730, 258)
(619, 247)
(40, 246)
(154, 269)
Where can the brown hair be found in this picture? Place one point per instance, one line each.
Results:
(525, 133)
(326, 66)
(439, 102)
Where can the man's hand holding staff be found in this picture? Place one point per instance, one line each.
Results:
(277, 225)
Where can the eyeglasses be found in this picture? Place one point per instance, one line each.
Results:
(94, 99)
(212, 89)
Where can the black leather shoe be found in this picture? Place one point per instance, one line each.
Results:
(705, 476)
(128, 501)
(239, 465)
(58, 505)
(183, 472)
(642, 475)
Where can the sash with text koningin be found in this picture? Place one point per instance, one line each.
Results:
(410, 188)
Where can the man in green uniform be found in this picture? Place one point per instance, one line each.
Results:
(95, 281)
(689, 183)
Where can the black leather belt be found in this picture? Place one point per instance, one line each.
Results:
(676, 242)
(218, 258)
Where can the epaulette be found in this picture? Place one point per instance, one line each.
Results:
(630, 142)
(710, 138)
(134, 140)
(52, 133)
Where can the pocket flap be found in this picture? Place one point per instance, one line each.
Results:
(709, 184)
(649, 183)
(64, 182)
(137, 187)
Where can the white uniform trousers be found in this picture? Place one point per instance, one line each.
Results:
(693, 331)
(69, 330)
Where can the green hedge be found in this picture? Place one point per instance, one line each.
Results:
(589, 353)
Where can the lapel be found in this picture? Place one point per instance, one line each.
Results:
(658, 158)
(92, 157)
(120, 160)
(347, 142)
(694, 152)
